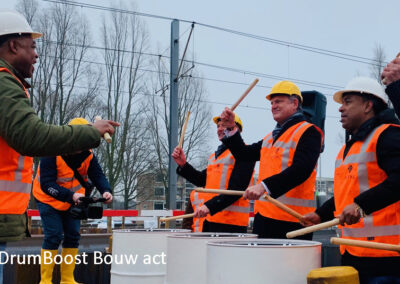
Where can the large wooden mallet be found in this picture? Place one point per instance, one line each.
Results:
(244, 94)
(106, 135)
(277, 203)
(365, 244)
(184, 130)
(311, 229)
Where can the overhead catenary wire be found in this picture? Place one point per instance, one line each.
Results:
(331, 53)
(231, 69)
(146, 94)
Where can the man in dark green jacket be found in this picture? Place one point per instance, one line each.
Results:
(22, 133)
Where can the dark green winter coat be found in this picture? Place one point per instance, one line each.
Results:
(23, 130)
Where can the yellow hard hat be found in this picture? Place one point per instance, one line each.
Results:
(286, 88)
(237, 121)
(78, 121)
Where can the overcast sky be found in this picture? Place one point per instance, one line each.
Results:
(349, 27)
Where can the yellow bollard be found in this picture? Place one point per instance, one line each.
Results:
(333, 275)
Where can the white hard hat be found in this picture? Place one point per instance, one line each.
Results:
(362, 85)
(12, 22)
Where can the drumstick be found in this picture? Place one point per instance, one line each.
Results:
(384, 79)
(364, 244)
(220, 191)
(311, 229)
(106, 135)
(177, 217)
(277, 203)
(184, 130)
(244, 94)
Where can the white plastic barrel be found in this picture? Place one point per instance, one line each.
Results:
(187, 255)
(262, 261)
(139, 256)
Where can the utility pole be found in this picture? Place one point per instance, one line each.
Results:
(173, 114)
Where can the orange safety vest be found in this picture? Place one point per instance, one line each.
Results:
(356, 173)
(197, 199)
(275, 158)
(66, 179)
(15, 175)
(218, 174)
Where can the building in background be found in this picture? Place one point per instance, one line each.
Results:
(151, 193)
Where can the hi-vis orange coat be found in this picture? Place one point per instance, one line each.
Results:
(66, 179)
(15, 175)
(275, 158)
(219, 171)
(356, 173)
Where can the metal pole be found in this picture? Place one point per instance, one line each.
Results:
(173, 113)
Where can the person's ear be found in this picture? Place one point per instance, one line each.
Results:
(13, 45)
(369, 106)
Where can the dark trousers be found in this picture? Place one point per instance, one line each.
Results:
(268, 228)
(58, 226)
(374, 270)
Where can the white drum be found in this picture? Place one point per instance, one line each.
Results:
(139, 256)
(187, 255)
(262, 261)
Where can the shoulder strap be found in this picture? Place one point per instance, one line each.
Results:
(88, 186)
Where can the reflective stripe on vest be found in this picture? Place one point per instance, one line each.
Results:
(226, 162)
(383, 225)
(196, 201)
(74, 188)
(15, 174)
(275, 158)
(219, 171)
(16, 185)
(295, 201)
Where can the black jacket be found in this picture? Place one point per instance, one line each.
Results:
(388, 157)
(304, 160)
(393, 91)
(239, 180)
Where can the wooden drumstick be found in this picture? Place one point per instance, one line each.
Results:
(184, 130)
(244, 94)
(277, 203)
(166, 219)
(106, 135)
(311, 229)
(365, 244)
(384, 79)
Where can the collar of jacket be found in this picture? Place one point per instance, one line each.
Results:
(5, 64)
(75, 161)
(292, 120)
(221, 148)
(385, 116)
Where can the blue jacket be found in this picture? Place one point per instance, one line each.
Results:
(48, 175)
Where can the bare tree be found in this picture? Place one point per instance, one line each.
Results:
(125, 38)
(65, 83)
(28, 8)
(191, 98)
(379, 63)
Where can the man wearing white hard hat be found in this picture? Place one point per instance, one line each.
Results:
(367, 181)
(22, 133)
